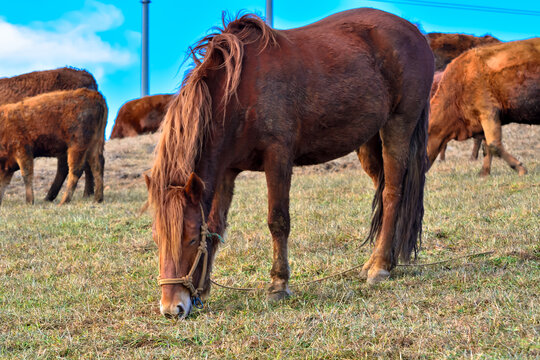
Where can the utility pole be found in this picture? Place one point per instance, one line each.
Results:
(270, 13)
(144, 51)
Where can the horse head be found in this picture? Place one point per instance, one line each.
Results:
(185, 253)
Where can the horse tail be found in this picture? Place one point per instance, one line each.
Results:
(408, 231)
(408, 222)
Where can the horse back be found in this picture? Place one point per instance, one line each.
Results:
(339, 78)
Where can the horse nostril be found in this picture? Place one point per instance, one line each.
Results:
(181, 311)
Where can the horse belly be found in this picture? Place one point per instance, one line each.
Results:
(331, 143)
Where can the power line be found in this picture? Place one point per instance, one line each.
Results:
(462, 7)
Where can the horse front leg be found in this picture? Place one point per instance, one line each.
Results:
(217, 219)
(278, 171)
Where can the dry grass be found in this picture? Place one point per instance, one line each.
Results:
(79, 281)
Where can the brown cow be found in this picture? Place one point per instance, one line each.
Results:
(16, 88)
(483, 89)
(53, 124)
(140, 116)
(447, 47)
(477, 138)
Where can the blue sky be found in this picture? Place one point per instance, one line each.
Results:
(104, 36)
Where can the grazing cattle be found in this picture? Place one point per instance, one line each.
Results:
(140, 116)
(266, 100)
(16, 88)
(477, 138)
(447, 47)
(64, 124)
(482, 90)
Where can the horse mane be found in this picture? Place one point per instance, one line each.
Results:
(189, 118)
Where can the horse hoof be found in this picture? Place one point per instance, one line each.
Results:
(379, 276)
(278, 295)
(364, 273)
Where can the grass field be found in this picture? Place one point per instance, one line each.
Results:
(79, 281)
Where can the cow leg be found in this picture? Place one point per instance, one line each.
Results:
(278, 171)
(442, 153)
(76, 161)
(88, 181)
(476, 147)
(5, 179)
(493, 132)
(61, 174)
(486, 163)
(26, 164)
(370, 156)
(95, 162)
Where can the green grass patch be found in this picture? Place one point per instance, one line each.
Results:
(79, 281)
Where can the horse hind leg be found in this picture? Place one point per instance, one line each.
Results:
(61, 174)
(278, 171)
(398, 202)
(76, 161)
(370, 156)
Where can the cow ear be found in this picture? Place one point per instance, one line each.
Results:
(148, 181)
(194, 189)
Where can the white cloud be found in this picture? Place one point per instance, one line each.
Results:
(71, 40)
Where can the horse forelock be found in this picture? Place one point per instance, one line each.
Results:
(189, 119)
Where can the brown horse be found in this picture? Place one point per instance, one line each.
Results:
(447, 47)
(53, 124)
(140, 116)
(16, 88)
(266, 100)
(484, 89)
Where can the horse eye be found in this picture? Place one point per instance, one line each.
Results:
(192, 242)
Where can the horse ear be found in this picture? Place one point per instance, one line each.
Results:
(147, 180)
(194, 189)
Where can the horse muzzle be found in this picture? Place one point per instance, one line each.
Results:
(175, 304)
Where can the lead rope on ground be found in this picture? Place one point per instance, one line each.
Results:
(352, 269)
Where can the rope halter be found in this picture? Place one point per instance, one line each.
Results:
(187, 280)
